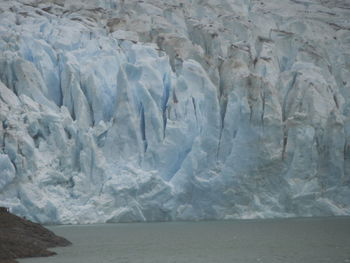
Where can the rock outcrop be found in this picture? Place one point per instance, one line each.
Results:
(21, 238)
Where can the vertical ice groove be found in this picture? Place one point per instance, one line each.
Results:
(143, 127)
(165, 98)
(286, 97)
(194, 108)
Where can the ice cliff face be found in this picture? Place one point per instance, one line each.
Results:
(114, 111)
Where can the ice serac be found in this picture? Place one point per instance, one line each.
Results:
(119, 111)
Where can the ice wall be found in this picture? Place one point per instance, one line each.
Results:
(118, 111)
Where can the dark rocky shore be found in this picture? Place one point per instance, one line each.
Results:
(20, 238)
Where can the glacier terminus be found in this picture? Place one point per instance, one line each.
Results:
(158, 110)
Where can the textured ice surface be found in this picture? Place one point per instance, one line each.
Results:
(114, 111)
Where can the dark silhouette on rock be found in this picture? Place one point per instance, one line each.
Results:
(20, 238)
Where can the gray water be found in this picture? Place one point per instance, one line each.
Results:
(270, 241)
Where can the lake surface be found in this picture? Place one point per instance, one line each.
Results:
(301, 240)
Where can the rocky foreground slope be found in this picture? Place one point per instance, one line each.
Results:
(21, 238)
(116, 110)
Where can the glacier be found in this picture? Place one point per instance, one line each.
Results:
(158, 110)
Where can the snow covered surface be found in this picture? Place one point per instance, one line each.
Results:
(117, 111)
